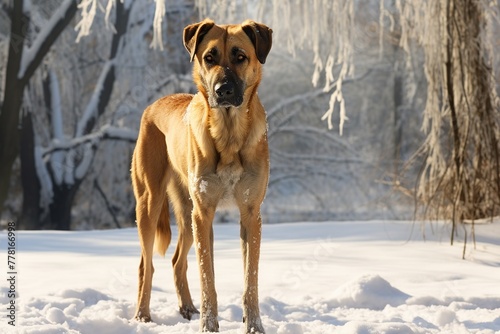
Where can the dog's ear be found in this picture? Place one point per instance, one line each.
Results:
(261, 37)
(193, 34)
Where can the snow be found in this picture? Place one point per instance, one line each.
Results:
(55, 98)
(86, 162)
(157, 42)
(57, 158)
(105, 132)
(203, 186)
(368, 291)
(46, 189)
(330, 277)
(118, 133)
(26, 6)
(88, 10)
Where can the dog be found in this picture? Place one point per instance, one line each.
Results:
(194, 152)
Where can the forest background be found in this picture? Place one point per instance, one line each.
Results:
(363, 100)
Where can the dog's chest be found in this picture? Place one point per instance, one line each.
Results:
(228, 133)
(217, 189)
(229, 175)
(228, 130)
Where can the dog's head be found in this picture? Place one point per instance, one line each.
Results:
(227, 59)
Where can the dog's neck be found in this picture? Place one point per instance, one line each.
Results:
(229, 128)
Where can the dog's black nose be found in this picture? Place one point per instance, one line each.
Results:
(224, 90)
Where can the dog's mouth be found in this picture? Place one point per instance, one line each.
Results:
(227, 103)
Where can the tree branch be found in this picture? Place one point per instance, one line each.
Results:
(106, 202)
(104, 86)
(105, 133)
(34, 55)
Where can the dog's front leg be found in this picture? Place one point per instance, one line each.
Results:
(203, 240)
(250, 234)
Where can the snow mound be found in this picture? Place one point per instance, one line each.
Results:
(88, 296)
(368, 291)
(290, 328)
(356, 327)
(56, 315)
(445, 317)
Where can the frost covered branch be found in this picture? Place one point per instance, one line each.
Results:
(157, 25)
(89, 10)
(107, 132)
(32, 56)
(326, 27)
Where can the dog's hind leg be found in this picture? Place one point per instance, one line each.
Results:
(147, 226)
(182, 208)
(149, 165)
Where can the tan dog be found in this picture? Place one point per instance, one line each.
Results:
(195, 151)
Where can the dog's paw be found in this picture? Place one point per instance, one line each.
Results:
(187, 312)
(143, 318)
(254, 326)
(209, 324)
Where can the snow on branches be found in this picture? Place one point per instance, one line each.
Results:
(89, 10)
(323, 26)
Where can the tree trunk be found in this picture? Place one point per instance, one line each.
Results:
(470, 96)
(13, 95)
(60, 208)
(398, 130)
(30, 214)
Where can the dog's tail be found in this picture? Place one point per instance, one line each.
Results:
(163, 233)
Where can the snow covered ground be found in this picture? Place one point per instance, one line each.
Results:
(333, 277)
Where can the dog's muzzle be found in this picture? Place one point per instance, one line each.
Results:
(227, 92)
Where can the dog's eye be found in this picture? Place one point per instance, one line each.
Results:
(209, 59)
(241, 58)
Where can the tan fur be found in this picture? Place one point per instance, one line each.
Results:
(195, 151)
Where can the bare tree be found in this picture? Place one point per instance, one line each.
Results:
(52, 175)
(460, 176)
(23, 60)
